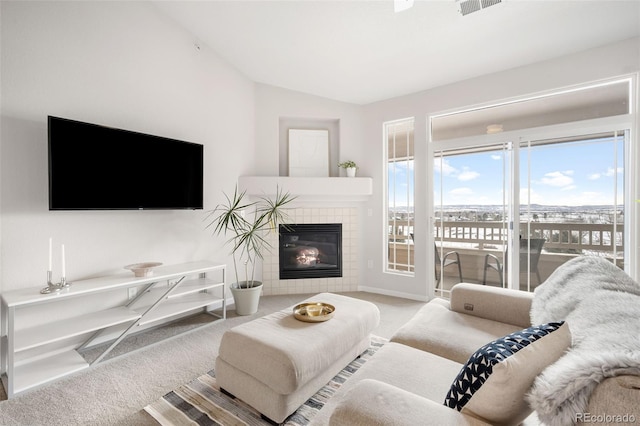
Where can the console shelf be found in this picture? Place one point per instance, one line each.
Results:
(35, 355)
(38, 336)
(175, 306)
(45, 370)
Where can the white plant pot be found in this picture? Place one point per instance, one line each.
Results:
(351, 172)
(246, 299)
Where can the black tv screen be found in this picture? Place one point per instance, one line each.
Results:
(93, 167)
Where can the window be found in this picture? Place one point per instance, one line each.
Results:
(566, 199)
(399, 149)
(515, 205)
(572, 197)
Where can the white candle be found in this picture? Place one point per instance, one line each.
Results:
(63, 268)
(50, 255)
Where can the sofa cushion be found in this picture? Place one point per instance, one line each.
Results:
(435, 328)
(493, 383)
(375, 403)
(493, 303)
(421, 373)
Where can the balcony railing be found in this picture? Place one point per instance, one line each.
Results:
(568, 237)
(475, 239)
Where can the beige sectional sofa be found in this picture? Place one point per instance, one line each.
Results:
(407, 380)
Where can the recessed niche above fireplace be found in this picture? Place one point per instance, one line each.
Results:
(310, 250)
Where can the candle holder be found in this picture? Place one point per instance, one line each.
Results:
(54, 287)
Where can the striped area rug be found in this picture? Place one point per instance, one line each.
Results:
(201, 402)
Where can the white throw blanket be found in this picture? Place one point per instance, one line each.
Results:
(601, 304)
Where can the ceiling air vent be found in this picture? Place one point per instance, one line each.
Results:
(466, 7)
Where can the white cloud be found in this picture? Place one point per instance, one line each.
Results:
(443, 167)
(611, 171)
(467, 175)
(557, 179)
(496, 157)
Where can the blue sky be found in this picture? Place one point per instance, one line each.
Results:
(571, 174)
(565, 174)
(401, 177)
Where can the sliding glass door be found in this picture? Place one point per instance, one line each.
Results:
(522, 186)
(571, 200)
(472, 188)
(511, 213)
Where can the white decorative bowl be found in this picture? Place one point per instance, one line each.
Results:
(143, 269)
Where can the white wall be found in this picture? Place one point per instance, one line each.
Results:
(125, 65)
(617, 59)
(278, 108)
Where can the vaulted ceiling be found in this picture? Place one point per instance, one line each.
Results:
(361, 51)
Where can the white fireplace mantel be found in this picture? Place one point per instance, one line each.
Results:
(310, 189)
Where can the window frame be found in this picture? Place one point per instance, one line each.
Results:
(386, 219)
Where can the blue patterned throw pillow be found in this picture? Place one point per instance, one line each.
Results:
(493, 383)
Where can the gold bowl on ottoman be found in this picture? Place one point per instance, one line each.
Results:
(313, 311)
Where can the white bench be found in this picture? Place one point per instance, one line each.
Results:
(276, 362)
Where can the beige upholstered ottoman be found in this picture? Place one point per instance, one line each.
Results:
(275, 363)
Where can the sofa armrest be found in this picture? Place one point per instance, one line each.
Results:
(374, 403)
(615, 399)
(493, 303)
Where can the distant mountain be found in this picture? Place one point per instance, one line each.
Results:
(537, 207)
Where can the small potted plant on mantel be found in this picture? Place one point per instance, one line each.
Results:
(350, 167)
(248, 223)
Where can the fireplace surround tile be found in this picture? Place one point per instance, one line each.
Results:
(348, 217)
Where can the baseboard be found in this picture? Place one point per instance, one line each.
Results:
(402, 295)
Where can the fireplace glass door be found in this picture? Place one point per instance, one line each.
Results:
(310, 251)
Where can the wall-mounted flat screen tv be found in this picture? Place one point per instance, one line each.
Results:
(93, 167)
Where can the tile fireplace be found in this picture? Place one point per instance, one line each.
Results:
(348, 218)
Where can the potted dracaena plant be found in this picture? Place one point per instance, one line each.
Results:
(248, 223)
(350, 167)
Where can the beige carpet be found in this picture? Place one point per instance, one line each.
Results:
(202, 402)
(116, 391)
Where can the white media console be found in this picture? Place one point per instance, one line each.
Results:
(38, 354)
